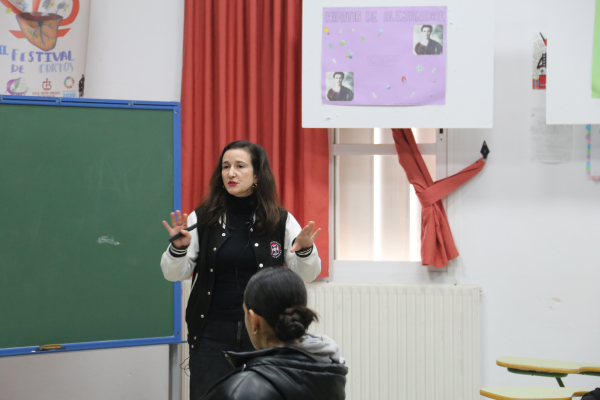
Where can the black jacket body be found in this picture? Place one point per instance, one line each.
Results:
(279, 373)
(210, 239)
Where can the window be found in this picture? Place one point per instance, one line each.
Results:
(375, 212)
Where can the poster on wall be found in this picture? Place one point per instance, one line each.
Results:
(43, 47)
(384, 56)
(540, 43)
(549, 143)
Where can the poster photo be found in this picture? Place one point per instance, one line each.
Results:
(384, 56)
(427, 39)
(340, 85)
(43, 47)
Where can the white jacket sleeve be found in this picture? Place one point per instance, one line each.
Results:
(307, 267)
(180, 268)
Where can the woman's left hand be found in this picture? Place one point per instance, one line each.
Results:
(305, 238)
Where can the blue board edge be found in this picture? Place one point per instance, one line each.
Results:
(17, 351)
(101, 103)
(177, 205)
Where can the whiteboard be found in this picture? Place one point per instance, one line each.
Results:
(570, 44)
(470, 72)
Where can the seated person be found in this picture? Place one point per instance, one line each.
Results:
(288, 362)
(339, 92)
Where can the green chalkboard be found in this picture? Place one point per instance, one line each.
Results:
(85, 187)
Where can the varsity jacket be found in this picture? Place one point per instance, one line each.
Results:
(199, 259)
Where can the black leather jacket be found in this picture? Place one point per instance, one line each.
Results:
(279, 373)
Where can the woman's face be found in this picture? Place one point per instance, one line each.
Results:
(237, 172)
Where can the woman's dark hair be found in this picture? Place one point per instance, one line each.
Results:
(338, 73)
(427, 26)
(214, 205)
(279, 296)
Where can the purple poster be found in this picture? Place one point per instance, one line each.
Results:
(384, 56)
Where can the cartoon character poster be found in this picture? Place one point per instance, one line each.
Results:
(43, 47)
(384, 56)
(540, 43)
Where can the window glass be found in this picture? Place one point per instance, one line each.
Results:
(377, 215)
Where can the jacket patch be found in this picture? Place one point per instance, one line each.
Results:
(275, 249)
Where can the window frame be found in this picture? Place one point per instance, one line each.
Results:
(368, 271)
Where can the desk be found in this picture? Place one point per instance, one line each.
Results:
(532, 393)
(550, 368)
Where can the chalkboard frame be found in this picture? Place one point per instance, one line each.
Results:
(175, 107)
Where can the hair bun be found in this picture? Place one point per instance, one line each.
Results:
(293, 323)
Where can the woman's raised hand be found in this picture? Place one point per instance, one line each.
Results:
(179, 224)
(305, 238)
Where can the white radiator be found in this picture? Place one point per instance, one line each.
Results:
(403, 342)
(399, 341)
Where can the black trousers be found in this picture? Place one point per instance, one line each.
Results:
(207, 363)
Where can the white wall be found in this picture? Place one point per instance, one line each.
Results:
(134, 53)
(135, 50)
(528, 233)
(126, 374)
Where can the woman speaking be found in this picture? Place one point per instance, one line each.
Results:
(241, 230)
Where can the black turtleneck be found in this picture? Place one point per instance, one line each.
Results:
(236, 262)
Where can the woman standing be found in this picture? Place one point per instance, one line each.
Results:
(241, 230)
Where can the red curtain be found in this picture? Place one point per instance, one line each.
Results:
(242, 79)
(437, 244)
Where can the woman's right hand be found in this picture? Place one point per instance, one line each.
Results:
(179, 224)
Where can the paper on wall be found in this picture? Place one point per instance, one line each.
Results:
(540, 42)
(549, 143)
(43, 47)
(384, 56)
